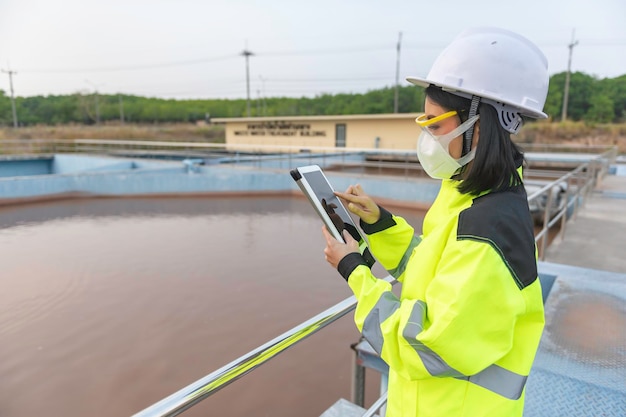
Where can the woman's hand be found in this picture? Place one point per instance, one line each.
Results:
(360, 204)
(336, 250)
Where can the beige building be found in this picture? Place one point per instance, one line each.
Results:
(296, 133)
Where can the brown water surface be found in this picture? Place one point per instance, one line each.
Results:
(109, 305)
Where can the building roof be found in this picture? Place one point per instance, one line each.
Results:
(316, 118)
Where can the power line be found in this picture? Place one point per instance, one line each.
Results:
(585, 43)
(284, 84)
(329, 51)
(387, 79)
(197, 61)
(323, 51)
(300, 80)
(132, 67)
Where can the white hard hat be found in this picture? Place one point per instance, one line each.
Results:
(503, 68)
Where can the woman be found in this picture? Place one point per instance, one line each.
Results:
(461, 338)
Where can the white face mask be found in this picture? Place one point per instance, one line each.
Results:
(433, 154)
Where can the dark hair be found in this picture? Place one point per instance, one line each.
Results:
(497, 157)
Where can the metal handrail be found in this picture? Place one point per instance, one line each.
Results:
(541, 238)
(12, 146)
(589, 171)
(192, 394)
(378, 404)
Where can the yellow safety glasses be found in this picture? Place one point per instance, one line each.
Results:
(424, 121)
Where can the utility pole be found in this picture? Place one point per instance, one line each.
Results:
(95, 86)
(12, 95)
(571, 46)
(121, 109)
(395, 96)
(263, 95)
(247, 54)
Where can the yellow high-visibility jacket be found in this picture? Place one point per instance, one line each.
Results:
(461, 339)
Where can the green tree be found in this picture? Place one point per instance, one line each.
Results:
(580, 92)
(6, 115)
(615, 88)
(554, 100)
(600, 109)
(589, 99)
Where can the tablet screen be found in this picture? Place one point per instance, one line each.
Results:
(331, 204)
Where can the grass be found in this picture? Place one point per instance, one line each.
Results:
(574, 133)
(162, 132)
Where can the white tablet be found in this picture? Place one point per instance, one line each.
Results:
(320, 193)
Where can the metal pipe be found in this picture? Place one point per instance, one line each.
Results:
(376, 406)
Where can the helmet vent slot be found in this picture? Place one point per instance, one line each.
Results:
(510, 121)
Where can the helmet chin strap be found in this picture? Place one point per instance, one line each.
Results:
(469, 134)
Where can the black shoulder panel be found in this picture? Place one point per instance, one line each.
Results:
(503, 220)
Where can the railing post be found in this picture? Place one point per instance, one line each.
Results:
(358, 381)
(384, 382)
(566, 208)
(546, 224)
(577, 196)
(591, 180)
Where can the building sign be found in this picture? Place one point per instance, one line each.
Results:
(279, 129)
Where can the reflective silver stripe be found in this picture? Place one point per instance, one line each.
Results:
(494, 378)
(501, 381)
(432, 362)
(399, 270)
(385, 307)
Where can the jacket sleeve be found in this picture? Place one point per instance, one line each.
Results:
(464, 323)
(391, 241)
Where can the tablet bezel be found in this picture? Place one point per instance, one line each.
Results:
(299, 175)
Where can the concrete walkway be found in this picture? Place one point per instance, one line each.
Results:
(596, 238)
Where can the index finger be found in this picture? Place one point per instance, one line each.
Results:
(352, 198)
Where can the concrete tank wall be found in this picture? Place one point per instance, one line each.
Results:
(104, 176)
(24, 167)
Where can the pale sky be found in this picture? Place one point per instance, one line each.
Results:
(183, 49)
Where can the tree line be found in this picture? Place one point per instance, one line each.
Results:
(591, 100)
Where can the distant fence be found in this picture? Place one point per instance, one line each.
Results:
(39, 146)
